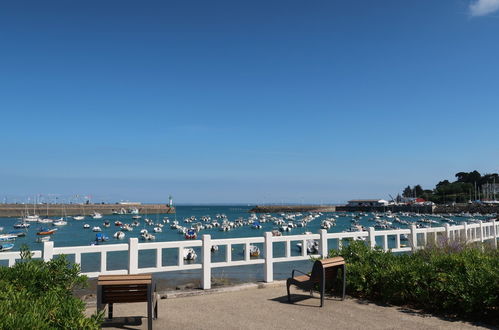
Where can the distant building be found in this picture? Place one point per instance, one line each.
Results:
(368, 202)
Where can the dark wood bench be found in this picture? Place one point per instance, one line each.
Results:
(323, 271)
(126, 289)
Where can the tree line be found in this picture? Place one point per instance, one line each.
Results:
(467, 186)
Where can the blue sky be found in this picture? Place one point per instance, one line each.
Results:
(245, 101)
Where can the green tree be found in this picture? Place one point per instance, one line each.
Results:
(407, 192)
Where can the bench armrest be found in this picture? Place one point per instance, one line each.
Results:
(296, 270)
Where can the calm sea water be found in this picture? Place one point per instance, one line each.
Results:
(73, 234)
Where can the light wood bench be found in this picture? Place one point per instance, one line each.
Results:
(323, 271)
(126, 289)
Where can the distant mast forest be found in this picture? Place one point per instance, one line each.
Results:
(468, 187)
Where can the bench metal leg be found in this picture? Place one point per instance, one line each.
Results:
(344, 280)
(99, 298)
(149, 307)
(110, 311)
(156, 298)
(288, 284)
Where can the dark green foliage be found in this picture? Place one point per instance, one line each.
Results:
(466, 187)
(38, 295)
(451, 279)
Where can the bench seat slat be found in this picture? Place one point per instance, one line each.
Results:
(125, 277)
(124, 282)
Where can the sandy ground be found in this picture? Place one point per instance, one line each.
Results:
(251, 307)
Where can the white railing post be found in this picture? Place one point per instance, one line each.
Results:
(323, 243)
(133, 255)
(414, 238)
(494, 233)
(372, 237)
(481, 230)
(206, 283)
(269, 265)
(48, 250)
(447, 232)
(465, 224)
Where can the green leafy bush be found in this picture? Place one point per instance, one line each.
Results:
(461, 280)
(38, 295)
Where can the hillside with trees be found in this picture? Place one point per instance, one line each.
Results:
(468, 186)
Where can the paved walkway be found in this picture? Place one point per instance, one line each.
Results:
(267, 308)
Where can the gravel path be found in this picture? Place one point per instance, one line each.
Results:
(267, 308)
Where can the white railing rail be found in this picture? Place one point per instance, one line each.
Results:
(413, 238)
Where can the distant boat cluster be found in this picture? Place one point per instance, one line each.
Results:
(190, 227)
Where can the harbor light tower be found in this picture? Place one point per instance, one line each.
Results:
(170, 201)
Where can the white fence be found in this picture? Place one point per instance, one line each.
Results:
(417, 238)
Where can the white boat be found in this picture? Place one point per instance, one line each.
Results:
(45, 220)
(79, 217)
(119, 234)
(148, 237)
(214, 248)
(312, 246)
(19, 225)
(126, 227)
(189, 254)
(60, 222)
(7, 237)
(96, 215)
(96, 229)
(31, 218)
(136, 216)
(86, 226)
(157, 229)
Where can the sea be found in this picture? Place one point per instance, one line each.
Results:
(73, 234)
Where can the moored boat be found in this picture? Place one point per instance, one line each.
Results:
(191, 234)
(119, 235)
(45, 231)
(20, 225)
(60, 222)
(6, 246)
(189, 254)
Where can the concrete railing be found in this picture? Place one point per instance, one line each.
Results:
(416, 238)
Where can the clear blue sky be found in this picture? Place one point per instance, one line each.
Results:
(245, 101)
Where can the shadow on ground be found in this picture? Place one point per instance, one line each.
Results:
(304, 299)
(123, 322)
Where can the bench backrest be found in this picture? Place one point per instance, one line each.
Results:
(124, 288)
(326, 268)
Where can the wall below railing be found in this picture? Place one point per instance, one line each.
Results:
(416, 238)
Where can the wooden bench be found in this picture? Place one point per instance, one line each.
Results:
(125, 289)
(323, 271)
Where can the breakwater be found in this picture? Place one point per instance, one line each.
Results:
(58, 210)
(392, 208)
(292, 208)
(413, 208)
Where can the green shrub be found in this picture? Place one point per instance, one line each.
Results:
(459, 280)
(38, 295)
